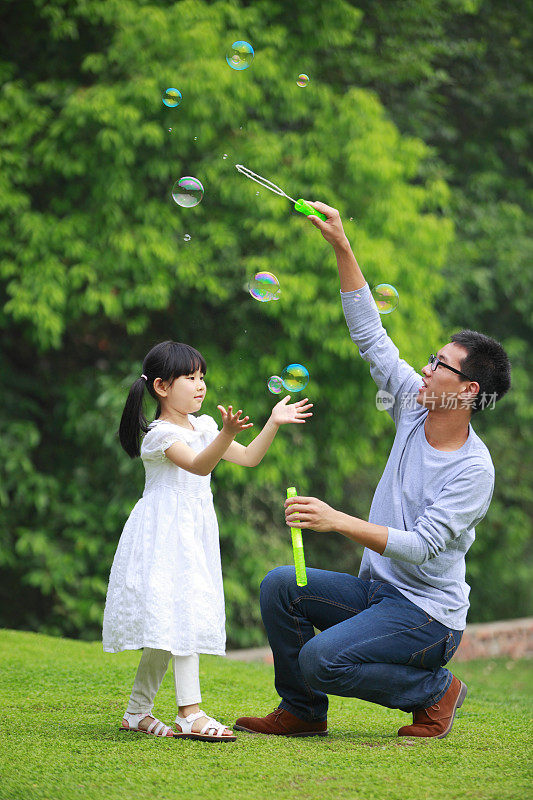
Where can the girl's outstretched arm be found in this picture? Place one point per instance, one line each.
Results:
(282, 414)
(204, 462)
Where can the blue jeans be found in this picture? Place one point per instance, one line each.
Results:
(374, 644)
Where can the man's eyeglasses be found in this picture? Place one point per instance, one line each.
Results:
(434, 362)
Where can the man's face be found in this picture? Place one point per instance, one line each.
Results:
(443, 388)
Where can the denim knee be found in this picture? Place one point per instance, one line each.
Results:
(313, 665)
(274, 585)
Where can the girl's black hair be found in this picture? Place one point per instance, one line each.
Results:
(166, 360)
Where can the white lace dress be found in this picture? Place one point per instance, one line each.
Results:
(165, 588)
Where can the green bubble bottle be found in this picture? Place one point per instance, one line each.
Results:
(298, 548)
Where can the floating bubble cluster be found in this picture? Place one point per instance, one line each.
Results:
(295, 377)
(264, 286)
(240, 55)
(172, 98)
(275, 384)
(386, 297)
(188, 192)
(302, 79)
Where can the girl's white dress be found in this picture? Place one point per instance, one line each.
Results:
(165, 588)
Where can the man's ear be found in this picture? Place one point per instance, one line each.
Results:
(472, 390)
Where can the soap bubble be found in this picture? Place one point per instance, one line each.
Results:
(386, 297)
(240, 55)
(170, 130)
(195, 138)
(172, 98)
(295, 377)
(187, 237)
(188, 192)
(225, 156)
(302, 79)
(264, 286)
(275, 384)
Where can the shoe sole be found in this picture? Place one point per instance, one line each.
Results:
(294, 735)
(199, 737)
(460, 700)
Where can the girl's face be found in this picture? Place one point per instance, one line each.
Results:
(185, 395)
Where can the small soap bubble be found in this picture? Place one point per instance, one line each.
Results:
(240, 55)
(386, 297)
(172, 98)
(275, 384)
(351, 219)
(187, 192)
(264, 286)
(195, 138)
(257, 193)
(170, 130)
(302, 79)
(225, 156)
(295, 377)
(187, 238)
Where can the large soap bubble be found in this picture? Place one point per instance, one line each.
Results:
(295, 377)
(264, 286)
(188, 192)
(386, 297)
(275, 384)
(240, 55)
(172, 98)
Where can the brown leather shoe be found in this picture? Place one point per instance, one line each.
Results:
(281, 723)
(437, 720)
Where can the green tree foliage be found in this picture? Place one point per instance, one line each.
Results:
(456, 73)
(95, 270)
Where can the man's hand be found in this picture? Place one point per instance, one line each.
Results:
(282, 413)
(331, 229)
(309, 512)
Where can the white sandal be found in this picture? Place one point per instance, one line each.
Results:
(155, 728)
(212, 731)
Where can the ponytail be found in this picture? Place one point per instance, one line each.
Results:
(133, 421)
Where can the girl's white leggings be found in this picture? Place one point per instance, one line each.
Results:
(152, 668)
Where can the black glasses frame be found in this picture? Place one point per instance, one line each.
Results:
(435, 362)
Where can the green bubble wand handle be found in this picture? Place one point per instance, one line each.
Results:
(299, 205)
(298, 548)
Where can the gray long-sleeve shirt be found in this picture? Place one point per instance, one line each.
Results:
(430, 500)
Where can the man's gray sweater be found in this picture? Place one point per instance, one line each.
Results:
(430, 500)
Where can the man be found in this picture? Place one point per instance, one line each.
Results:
(386, 634)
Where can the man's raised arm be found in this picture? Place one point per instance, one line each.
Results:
(389, 371)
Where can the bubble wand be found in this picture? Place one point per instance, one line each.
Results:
(299, 205)
(298, 548)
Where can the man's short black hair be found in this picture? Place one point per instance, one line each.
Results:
(487, 363)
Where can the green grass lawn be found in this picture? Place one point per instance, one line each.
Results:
(62, 702)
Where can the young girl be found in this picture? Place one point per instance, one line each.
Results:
(165, 591)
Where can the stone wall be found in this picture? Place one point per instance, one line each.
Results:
(512, 638)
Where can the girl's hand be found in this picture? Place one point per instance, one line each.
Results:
(231, 423)
(295, 412)
(309, 512)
